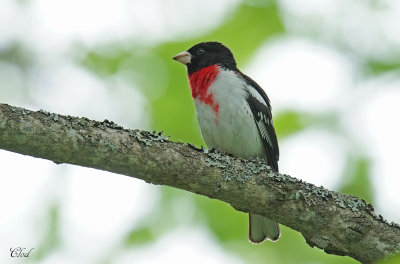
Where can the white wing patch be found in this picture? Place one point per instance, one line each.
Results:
(263, 128)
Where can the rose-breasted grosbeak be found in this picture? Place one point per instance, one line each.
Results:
(234, 115)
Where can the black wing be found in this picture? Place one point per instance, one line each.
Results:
(263, 119)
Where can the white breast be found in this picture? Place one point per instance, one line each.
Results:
(233, 129)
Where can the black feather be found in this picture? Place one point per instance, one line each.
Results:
(263, 119)
(214, 53)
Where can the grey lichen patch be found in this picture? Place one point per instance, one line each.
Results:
(314, 195)
(109, 144)
(110, 124)
(321, 192)
(227, 178)
(257, 165)
(136, 134)
(159, 136)
(82, 122)
(19, 110)
(214, 163)
(242, 170)
(320, 195)
(347, 201)
(44, 112)
(341, 204)
(102, 125)
(311, 194)
(281, 177)
(356, 204)
(54, 117)
(299, 194)
(148, 138)
(234, 169)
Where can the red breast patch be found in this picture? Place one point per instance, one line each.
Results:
(200, 81)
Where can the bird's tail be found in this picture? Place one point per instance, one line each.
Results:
(261, 228)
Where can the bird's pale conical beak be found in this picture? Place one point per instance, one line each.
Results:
(183, 57)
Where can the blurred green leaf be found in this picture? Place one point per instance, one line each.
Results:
(290, 122)
(356, 178)
(139, 236)
(51, 238)
(225, 222)
(105, 61)
(381, 67)
(391, 260)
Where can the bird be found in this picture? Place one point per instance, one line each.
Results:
(234, 115)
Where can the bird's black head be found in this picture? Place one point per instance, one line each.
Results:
(205, 54)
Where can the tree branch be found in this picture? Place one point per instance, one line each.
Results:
(337, 223)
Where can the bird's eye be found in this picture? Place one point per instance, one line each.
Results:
(200, 51)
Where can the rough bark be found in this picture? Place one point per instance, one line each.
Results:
(337, 223)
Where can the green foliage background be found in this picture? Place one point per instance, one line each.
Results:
(163, 82)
